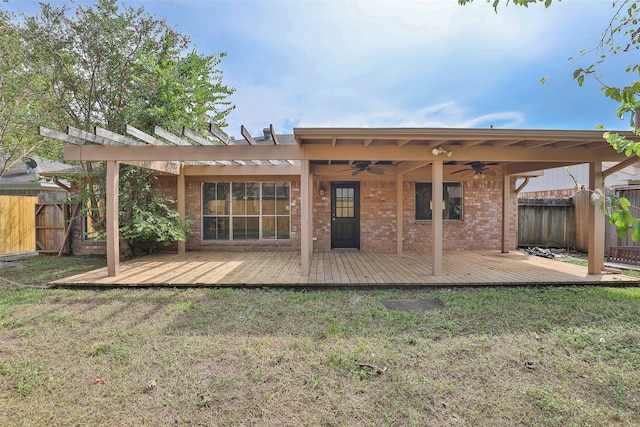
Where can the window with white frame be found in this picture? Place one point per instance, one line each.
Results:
(452, 201)
(246, 210)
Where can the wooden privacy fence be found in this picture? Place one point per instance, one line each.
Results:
(17, 224)
(633, 194)
(51, 227)
(555, 222)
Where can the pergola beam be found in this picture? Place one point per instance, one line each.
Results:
(170, 137)
(218, 133)
(273, 135)
(247, 136)
(171, 168)
(59, 136)
(613, 169)
(195, 137)
(143, 136)
(90, 137)
(326, 153)
(116, 138)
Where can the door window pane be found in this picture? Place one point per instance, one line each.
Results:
(345, 202)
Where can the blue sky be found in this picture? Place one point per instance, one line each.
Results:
(398, 63)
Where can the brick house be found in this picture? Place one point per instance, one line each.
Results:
(322, 189)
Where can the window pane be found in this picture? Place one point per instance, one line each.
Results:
(345, 202)
(253, 198)
(282, 190)
(282, 207)
(283, 227)
(215, 199)
(268, 198)
(246, 228)
(238, 204)
(268, 227)
(453, 200)
(269, 190)
(423, 200)
(215, 228)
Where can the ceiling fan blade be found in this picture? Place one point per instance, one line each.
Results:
(461, 170)
(357, 172)
(375, 170)
(345, 170)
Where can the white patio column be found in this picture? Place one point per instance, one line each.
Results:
(506, 210)
(436, 216)
(305, 215)
(596, 222)
(182, 245)
(399, 195)
(112, 228)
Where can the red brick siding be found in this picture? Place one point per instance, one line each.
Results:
(80, 246)
(480, 229)
(549, 194)
(378, 216)
(322, 216)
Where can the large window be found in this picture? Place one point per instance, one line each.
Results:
(451, 201)
(246, 211)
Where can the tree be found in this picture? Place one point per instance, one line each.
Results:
(524, 3)
(112, 66)
(109, 66)
(621, 36)
(23, 98)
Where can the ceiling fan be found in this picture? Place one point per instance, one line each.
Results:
(360, 166)
(479, 169)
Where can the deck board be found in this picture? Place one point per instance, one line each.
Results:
(343, 269)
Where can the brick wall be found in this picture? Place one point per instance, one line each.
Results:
(480, 229)
(549, 194)
(378, 216)
(322, 216)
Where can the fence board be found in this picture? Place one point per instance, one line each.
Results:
(51, 225)
(17, 224)
(582, 202)
(547, 222)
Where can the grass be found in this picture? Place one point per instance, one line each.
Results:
(131, 357)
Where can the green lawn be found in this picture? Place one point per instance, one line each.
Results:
(130, 357)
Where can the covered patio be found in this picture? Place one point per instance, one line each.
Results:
(336, 269)
(374, 178)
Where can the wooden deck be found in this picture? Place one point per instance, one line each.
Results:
(343, 269)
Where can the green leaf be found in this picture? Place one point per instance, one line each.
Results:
(624, 203)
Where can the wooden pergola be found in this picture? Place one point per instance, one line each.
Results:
(322, 152)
